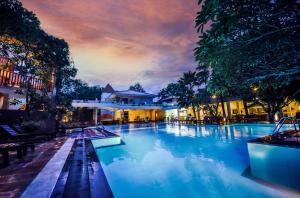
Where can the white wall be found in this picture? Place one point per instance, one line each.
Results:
(170, 112)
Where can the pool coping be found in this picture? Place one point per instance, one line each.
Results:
(43, 184)
(260, 142)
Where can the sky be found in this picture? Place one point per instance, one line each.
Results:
(124, 41)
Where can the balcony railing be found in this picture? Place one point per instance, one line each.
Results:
(12, 79)
(115, 103)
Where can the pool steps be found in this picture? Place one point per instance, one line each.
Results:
(102, 138)
(75, 170)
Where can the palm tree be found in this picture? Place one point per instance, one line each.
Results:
(189, 85)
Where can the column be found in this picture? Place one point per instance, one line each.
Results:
(96, 116)
(228, 109)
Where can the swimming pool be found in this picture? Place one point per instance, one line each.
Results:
(183, 161)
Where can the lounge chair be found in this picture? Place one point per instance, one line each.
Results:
(20, 131)
(10, 136)
(105, 132)
(5, 148)
(10, 133)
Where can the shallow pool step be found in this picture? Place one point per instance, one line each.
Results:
(107, 141)
(82, 175)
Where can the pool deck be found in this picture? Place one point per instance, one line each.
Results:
(44, 182)
(15, 178)
(64, 167)
(74, 171)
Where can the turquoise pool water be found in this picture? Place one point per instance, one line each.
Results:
(183, 161)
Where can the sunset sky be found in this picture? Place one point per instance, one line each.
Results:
(124, 41)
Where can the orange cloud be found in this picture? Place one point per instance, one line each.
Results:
(122, 42)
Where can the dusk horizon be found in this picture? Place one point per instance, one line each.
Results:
(148, 41)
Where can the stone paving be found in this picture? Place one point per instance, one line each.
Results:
(15, 178)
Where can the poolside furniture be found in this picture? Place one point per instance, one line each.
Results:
(105, 138)
(20, 131)
(9, 133)
(18, 128)
(255, 118)
(92, 132)
(5, 148)
(12, 137)
(75, 125)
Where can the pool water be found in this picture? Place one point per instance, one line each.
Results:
(183, 161)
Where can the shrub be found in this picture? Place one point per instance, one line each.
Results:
(32, 126)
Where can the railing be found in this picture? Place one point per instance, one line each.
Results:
(114, 103)
(131, 104)
(283, 120)
(12, 79)
(86, 101)
(171, 104)
(101, 126)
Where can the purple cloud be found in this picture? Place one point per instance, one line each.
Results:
(122, 42)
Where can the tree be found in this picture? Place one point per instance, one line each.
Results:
(252, 43)
(266, 95)
(17, 22)
(170, 91)
(82, 91)
(188, 85)
(36, 54)
(62, 71)
(19, 33)
(137, 87)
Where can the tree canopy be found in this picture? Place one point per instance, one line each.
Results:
(34, 52)
(137, 87)
(80, 90)
(250, 44)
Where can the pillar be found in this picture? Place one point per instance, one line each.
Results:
(228, 109)
(96, 116)
(113, 114)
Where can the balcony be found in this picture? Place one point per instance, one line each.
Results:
(12, 79)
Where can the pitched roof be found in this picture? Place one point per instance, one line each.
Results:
(108, 89)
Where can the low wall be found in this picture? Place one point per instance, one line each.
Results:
(277, 164)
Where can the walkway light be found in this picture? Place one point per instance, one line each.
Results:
(255, 89)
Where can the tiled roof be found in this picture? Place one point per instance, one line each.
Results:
(108, 89)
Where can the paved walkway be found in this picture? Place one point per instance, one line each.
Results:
(44, 183)
(15, 178)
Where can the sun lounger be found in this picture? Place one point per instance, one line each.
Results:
(91, 133)
(5, 148)
(19, 130)
(105, 132)
(10, 133)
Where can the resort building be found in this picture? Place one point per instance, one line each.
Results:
(132, 106)
(234, 108)
(12, 86)
(123, 106)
